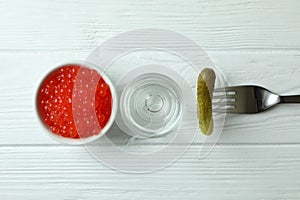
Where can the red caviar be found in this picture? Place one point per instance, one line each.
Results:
(74, 101)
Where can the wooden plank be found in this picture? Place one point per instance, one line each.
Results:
(276, 71)
(230, 172)
(217, 25)
(251, 41)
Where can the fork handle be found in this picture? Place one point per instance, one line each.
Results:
(290, 99)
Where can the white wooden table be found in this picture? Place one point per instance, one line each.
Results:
(253, 42)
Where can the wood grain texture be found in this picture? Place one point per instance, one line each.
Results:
(230, 172)
(280, 125)
(216, 25)
(251, 41)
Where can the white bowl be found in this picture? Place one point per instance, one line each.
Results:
(72, 141)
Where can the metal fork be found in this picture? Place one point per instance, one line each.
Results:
(248, 99)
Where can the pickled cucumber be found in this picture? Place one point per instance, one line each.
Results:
(206, 83)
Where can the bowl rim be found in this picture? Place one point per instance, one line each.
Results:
(80, 141)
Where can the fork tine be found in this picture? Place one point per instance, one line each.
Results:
(219, 90)
(222, 96)
(225, 99)
(223, 89)
(223, 110)
(227, 89)
(246, 99)
(227, 105)
(223, 103)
